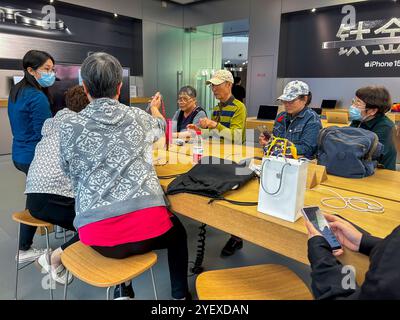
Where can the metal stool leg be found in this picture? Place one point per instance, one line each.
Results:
(65, 235)
(66, 285)
(17, 263)
(108, 293)
(154, 283)
(49, 261)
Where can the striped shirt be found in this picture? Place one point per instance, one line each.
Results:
(231, 115)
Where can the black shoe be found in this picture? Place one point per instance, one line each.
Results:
(231, 246)
(124, 292)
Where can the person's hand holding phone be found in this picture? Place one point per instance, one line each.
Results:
(264, 136)
(192, 127)
(156, 101)
(262, 140)
(155, 106)
(313, 232)
(345, 232)
(318, 225)
(206, 123)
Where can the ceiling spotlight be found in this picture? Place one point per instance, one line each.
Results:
(313, 10)
(115, 15)
(51, 1)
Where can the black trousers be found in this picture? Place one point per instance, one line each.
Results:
(174, 240)
(56, 209)
(27, 232)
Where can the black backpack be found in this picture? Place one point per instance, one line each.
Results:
(349, 152)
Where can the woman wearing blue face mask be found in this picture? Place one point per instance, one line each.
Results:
(28, 108)
(368, 112)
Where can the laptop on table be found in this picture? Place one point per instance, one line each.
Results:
(328, 104)
(267, 112)
(337, 117)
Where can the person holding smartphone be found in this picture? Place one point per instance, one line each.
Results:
(382, 280)
(298, 123)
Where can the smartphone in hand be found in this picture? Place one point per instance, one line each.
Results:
(314, 215)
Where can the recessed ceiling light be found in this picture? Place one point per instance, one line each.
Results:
(313, 10)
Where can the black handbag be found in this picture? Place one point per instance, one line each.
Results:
(213, 177)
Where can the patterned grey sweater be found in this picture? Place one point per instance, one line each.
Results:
(106, 149)
(45, 173)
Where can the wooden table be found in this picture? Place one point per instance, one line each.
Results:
(253, 122)
(288, 239)
(324, 111)
(326, 124)
(394, 116)
(235, 152)
(384, 184)
(3, 103)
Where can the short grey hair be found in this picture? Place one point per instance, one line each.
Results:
(101, 74)
(188, 90)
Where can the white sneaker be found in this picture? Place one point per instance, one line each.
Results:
(59, 274)
(30, 255)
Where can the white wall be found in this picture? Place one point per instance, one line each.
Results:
(5, 129)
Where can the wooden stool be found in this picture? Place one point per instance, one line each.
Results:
(25, 217)
(91, 267)
(261, 282)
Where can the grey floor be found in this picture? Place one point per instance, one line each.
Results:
(12, 199)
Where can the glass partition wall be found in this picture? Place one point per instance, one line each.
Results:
(187, 57)
(190, 56)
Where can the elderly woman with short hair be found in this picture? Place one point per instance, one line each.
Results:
(106, 149)
(368, 110)
(189, 112)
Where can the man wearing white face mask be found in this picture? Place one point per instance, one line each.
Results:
(368, 112)
(28, 108)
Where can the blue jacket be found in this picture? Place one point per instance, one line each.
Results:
(302, 130)
(27, 116)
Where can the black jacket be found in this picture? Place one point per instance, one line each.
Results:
(382, 280)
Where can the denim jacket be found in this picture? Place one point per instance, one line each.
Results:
(302, 130)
